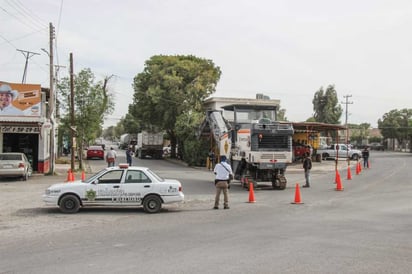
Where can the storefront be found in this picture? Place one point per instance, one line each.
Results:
(23, 126)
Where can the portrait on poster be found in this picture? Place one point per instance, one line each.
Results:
(20, 99)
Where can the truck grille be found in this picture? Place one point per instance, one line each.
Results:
(272, 156)
(267, 141)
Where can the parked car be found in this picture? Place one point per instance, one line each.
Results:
(122, 185)
(15, 164)
(376, 146)
(95, 152)
(340, 150)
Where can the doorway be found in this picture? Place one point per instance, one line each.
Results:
(25, 143)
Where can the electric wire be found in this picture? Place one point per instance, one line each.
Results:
(26, 14)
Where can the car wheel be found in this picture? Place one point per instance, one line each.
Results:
(25, 177)
(355, 157)
(325, 156)
(69, 204)
(152, 204)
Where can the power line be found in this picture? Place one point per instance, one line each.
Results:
(27, 15)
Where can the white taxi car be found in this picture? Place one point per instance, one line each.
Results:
(116, 186)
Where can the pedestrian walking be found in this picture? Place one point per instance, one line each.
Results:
(365, 156)
(111, 157)
(307, 166)
(223, 172)
(129, 155)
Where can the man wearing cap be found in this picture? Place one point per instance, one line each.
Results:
(7, 95)
(222, 171)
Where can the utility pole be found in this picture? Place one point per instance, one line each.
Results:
(52, 102)
(72, 126)
(27, 54)
(346, 123)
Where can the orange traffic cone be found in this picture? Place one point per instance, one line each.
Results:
(251, 193)
(349, 174)
(339, 186)
(69, 177)
(72, 176)
(360, 167)
(83, 176)
(357, 169)
(337, 176)
(297, 195)
(369, 164)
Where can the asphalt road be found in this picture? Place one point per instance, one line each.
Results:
(363, 229)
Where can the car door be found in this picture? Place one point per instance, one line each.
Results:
(135, 186)
(108, 187)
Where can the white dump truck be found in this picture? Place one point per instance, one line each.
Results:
(149, 144)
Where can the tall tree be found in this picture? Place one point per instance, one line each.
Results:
(397, 124)
(171, 86)
(91, 105)
(326, 106)
(359, 133)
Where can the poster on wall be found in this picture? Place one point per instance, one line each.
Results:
(20, 99)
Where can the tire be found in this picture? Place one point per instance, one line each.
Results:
(69, 204)
(355, 157)
(152, 204)
(325, 156)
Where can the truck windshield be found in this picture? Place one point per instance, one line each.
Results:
(251, 116)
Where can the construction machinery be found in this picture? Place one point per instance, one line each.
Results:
(258, 146)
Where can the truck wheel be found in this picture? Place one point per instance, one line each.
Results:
(69, 204)
(279, 183)
(152, 204)
(325, 156)
(355, 157)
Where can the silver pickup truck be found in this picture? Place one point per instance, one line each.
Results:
(339, 151)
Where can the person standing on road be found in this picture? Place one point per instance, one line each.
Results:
(129, 155)
(307, 166)
(211, 160)
(111, 157)
(222, 171)
(365, 156)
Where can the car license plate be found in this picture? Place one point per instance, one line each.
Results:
(7, 166)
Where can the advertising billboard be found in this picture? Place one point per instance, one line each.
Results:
(20, 99)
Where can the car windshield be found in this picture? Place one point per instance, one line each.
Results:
(95, 176)
(95, 148)
(158, 178)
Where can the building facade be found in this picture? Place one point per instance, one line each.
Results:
(23, 123)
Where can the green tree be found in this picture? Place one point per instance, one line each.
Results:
(326, 106)
(170, 86)
(397, 124)
(281, 114)
(193, 149)
(91, 105)
(109, 133)
(359, 133)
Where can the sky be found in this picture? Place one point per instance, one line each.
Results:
(286, 49)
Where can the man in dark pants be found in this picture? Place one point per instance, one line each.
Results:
(365, 156)
(307, 166)
(222, 171)
(129, 155)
